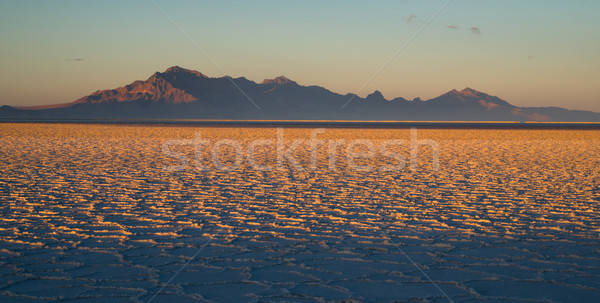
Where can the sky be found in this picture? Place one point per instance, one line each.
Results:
(530, 53)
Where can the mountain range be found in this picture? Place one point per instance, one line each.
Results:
(179, 93)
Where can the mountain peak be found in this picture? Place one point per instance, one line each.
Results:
(376, 96)
(278, 80)
(175, 69)
(180, 70)
(466, 92)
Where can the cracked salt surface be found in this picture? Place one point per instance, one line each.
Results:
(89, 215)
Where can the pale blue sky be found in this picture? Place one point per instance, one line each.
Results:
(531, 53)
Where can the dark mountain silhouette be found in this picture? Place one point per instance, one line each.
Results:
(179, 93)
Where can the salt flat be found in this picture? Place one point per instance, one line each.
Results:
(89, 213)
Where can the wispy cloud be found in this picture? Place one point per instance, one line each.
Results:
(74, 59)
(412, 18)
(453, 27)
(475, 30)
